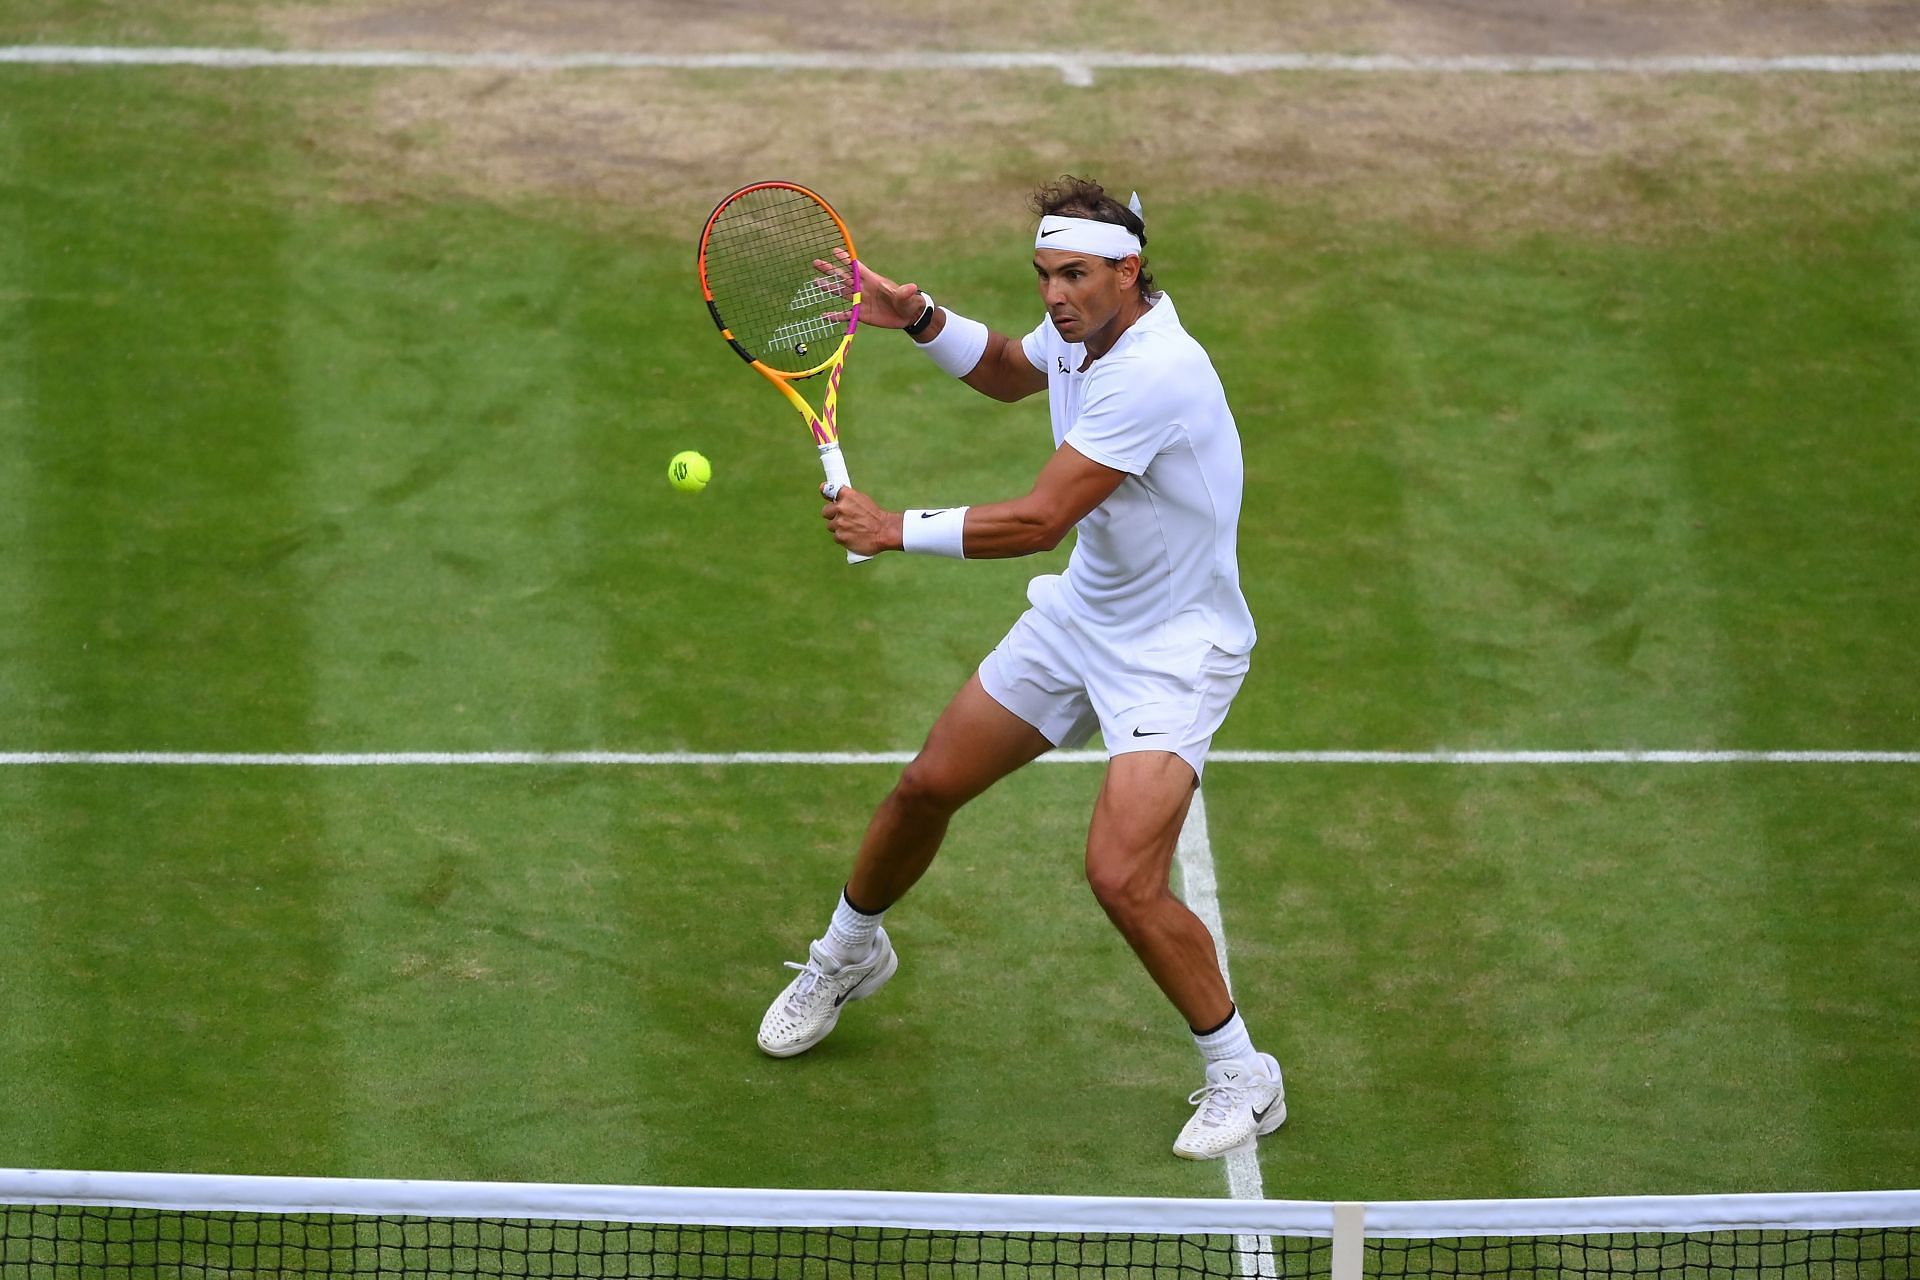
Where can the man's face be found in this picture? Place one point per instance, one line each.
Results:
(1082, 292)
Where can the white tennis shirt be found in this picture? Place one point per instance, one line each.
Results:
(1154, 575)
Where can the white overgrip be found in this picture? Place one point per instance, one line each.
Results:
(835, 465)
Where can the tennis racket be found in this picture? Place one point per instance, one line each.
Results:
(786, 317)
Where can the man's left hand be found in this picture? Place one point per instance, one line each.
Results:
(860, 524)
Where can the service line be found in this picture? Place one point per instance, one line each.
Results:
(677, 759)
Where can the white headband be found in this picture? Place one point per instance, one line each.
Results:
(1105, 239)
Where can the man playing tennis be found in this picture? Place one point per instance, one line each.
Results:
(1145, 636)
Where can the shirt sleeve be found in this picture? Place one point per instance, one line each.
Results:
(1127, 419)
(1035, 345)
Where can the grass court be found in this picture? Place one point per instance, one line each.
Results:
(1579, 412)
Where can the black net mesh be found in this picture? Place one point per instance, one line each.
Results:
(760, 253)
(49, 1242)
(58, 1242)
(1878, 1254)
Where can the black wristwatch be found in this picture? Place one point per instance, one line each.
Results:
(919, 326)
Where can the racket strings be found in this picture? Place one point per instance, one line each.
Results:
(759, 263)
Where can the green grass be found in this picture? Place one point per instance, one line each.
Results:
(79, 22)
(284, 470)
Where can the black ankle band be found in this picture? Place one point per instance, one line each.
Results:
(857, 908)
(1233, 1011)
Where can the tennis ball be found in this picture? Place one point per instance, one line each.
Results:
(689, 472)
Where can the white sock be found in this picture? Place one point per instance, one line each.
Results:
(850, 936)
(1227, 1042)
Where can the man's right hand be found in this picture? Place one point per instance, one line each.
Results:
(882, 302)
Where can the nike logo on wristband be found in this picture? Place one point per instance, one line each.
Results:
(928, 515)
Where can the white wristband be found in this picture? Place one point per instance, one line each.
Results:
(934, 533)
(958, 346)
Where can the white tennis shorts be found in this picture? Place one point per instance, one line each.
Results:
(1049, 676)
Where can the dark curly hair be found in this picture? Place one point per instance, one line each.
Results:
(1073, 197)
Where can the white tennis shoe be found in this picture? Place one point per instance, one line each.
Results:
(803, 1014)
(1239, 1102)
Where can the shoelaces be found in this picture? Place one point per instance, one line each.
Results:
(811, 974)
(1218, 1099)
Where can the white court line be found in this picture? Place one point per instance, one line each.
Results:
(1075, 66)
(669, 759)
(1565, 757)
(1201, 892)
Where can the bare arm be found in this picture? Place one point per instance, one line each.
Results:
(1003, 371)
(1069, 486)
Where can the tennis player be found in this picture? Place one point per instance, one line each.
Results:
(1145, 636)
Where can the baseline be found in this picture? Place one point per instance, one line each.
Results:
(1075, 66)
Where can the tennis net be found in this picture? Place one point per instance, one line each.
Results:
(56, 1225)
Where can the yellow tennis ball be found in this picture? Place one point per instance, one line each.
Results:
(689, 472)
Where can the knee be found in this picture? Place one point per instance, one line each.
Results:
(1122, 888)
(927, 788)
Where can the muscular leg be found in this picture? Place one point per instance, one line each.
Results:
(975, 743)
(1130, 845)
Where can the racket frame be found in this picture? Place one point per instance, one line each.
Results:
(824, 425)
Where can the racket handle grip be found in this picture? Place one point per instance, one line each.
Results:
(835, 465)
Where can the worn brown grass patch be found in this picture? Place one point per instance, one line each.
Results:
(1399, 26)
(1462, 156)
